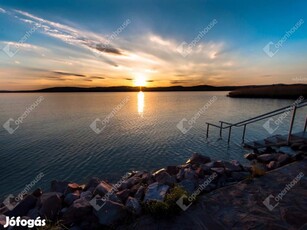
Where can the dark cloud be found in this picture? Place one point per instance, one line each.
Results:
(128, 79)
(107, 49)
(96, 77)
(150, 81)
(68, 74)
(177, 82)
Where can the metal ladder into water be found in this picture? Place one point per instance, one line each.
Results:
(227, 125)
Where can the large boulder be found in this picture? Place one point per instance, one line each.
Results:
(71, 197)
(271, 165)
(111, 213)
(140, 193)
(123, 195)
(238, 176)
(103, 188)
(180, 174)
(73, 187)
(37, 192)
(79, 210)
(218, 170)
(198, 159)
(233, 166)
(287, 150)
(92, 184)
(172, 170)
(189, 174)
(127, 184)
(23, 207)
(165, 178)
(156, 191)
(188, 185)
(133, 205)
(51, 205)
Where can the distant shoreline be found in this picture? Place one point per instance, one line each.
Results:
(273, 91)
(236, 91)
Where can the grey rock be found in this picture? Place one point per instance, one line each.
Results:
(172, 170)
(272, 165)
(287, 150)
(37, 192)
(79, 210)
(23, 207)
(33, 213)
(218, 170)
(233, 166)
(111, 213)
(103, 188)
(180, 174)
(71, 197)
(93, 183)
(155, 191)
(140, 193)
(188, 185)
(87, 195)
(133, 205)
(189, 173)
(165, 178)
(51, 205)
(123, 195)
(198, 159)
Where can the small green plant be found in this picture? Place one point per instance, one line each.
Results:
(258, 170)
(168, 207)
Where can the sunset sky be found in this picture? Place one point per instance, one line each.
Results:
(113, 43)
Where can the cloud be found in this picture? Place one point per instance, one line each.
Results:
(2, 10)
(107, 49)
(68, 74)
(99, 78)
(84, 39)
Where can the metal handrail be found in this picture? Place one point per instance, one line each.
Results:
(259, 118)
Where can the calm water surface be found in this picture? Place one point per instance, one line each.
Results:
(141, 133)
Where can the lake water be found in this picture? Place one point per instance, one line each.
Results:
(137, 132)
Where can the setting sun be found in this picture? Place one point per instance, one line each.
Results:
(140, 81)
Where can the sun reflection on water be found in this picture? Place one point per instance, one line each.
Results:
(140, 103)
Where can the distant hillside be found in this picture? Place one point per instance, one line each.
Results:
(132, 89)
(272, 91)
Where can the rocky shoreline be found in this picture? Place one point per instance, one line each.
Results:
(99, 204)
